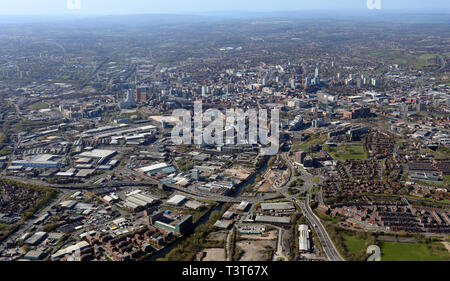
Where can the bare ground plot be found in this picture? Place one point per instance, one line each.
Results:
(211, 254)
(266, 187)
(168, 119)
(218, 235)
(271, 235)
(254, 249)
(276, 177)
(238, 172)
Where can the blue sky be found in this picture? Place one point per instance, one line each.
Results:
(36, 7)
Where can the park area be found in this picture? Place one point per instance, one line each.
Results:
(314, 140)
(394, 251)
(347, 152)
(401, 251)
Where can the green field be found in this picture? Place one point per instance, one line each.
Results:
(347, 152)
(424, 59)
(326, 218)
(352, 243)
(38, 106)
(393, 251)
(401, 58)
(313, 140)
(447, 179)
(389, 56)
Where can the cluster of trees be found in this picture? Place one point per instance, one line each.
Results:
(47, 195)
(297, 183)
(185, 165)
(268, 253)
(271, 161)
(234, 252)
(49, 227)
(293, 191)
(336, 234)
(4, 141)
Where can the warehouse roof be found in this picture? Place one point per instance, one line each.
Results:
(222, 224)
(272, 219)
(277, 206)
(154, 167)
(176, 200)
(98, 153)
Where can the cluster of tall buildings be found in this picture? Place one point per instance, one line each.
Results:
(129, 102)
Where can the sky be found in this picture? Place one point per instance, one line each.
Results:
(109, 7)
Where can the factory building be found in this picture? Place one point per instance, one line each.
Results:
(179, 227)
(138, 201)
(40, 161)
(278, 208)
(273, 219)
(304, 239)
(176, 200)
(36, 238)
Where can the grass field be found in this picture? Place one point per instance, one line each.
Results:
(326, 218)
(38, 106)
(424, 59)
(389, 56)
(347, 152)
(399, 57)
(447, 179)
(352, 243)
(353, 246)
(392, 251)
(313, 140)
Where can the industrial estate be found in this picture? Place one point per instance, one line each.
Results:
(89, 169)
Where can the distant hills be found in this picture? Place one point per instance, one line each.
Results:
(395, 16)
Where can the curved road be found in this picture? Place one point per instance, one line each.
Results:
(327, 244)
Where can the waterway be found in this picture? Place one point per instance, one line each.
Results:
(164, 251)
(251, 180)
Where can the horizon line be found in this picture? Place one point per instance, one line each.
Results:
(195, 13)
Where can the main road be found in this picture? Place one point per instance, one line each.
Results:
(325, 240)
(327, 244)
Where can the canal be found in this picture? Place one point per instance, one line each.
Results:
(164, 251)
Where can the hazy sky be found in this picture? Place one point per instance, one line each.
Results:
(34, 7)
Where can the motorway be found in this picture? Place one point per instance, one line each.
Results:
(146, 181)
